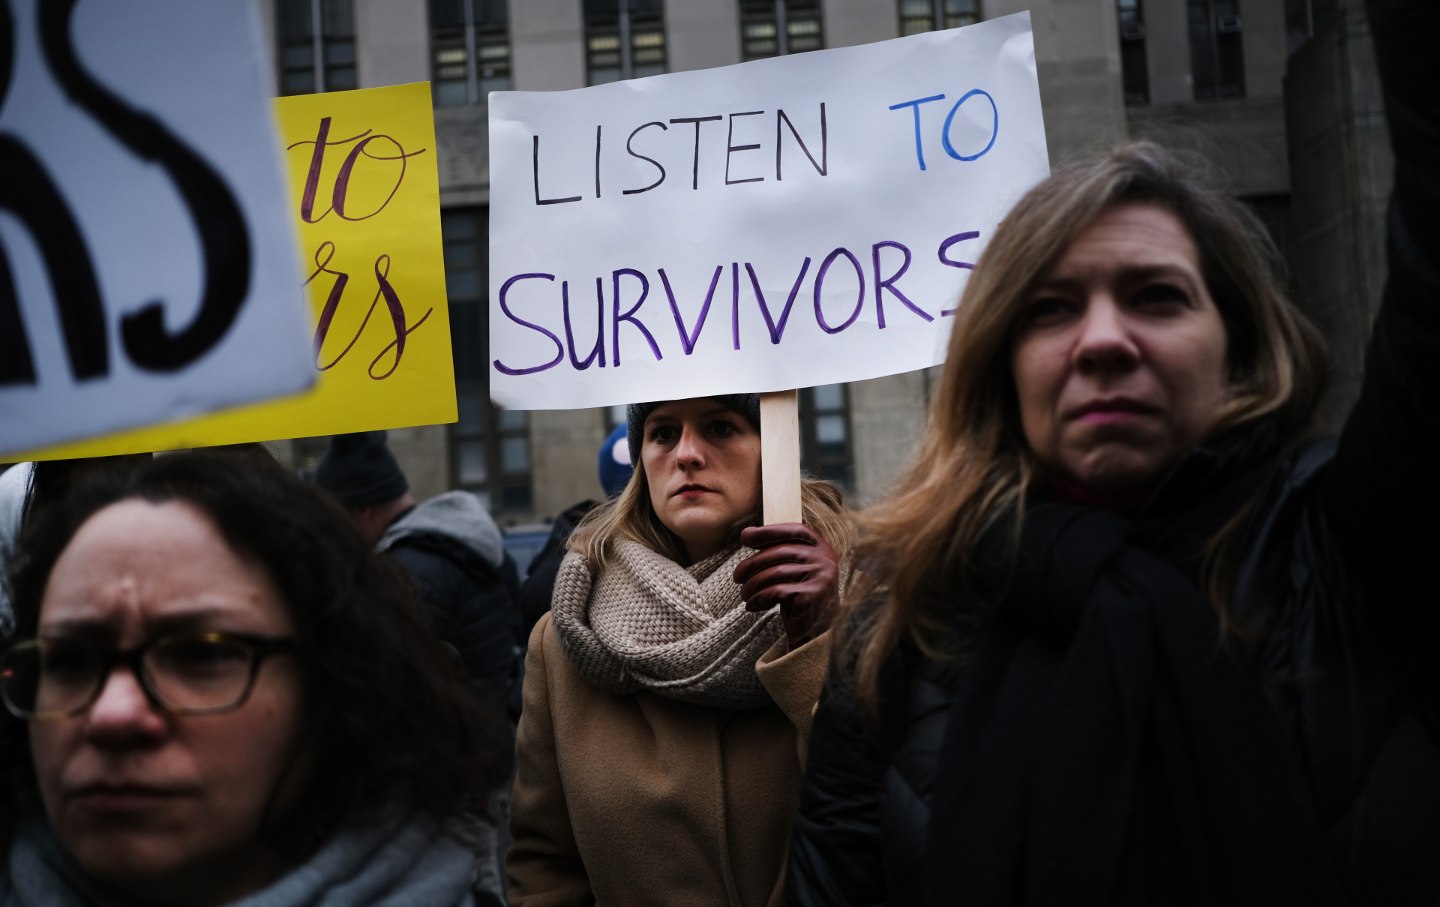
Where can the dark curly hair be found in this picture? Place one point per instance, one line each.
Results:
(390, 721)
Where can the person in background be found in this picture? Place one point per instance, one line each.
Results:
(219, 695)
(14, 488)
(449, 544)
(451, 548)
(614, 471)
(668, 692)
(1132, 635)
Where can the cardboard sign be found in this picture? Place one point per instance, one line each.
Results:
(147, 270)
(782, 223)
(365, 195)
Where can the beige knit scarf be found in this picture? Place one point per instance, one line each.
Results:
(647, 623)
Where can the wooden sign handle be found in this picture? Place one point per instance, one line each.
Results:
(780, 456)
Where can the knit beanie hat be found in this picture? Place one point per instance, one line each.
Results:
(359, 470)
(615, 463)
(747, 405)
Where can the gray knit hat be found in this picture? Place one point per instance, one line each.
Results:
(747, 405)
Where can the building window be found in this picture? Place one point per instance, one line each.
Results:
(918, 16)
(317, 46)
(1217, 64)
(1303, 18)
(624, 39)
(469, 50)
(489, 447)
(825, 449)
(774, 28)
(1132, 52)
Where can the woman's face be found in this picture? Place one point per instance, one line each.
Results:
(1120, 357)
(167, 807)
(702, 462)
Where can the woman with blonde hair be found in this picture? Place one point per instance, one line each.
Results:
(1129, 633)
(669, 691)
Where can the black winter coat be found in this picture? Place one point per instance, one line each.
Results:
(539, 585)
(454, 553)
(1090, 756)
(473, 603)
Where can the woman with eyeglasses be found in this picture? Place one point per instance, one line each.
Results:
(216, 695)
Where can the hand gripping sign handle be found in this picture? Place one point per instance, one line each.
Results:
(780, 456)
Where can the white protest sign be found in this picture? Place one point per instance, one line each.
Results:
(782, 223)
(148, 264)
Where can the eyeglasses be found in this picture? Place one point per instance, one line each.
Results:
(193, 674)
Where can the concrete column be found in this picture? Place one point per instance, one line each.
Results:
(392, 42)
(265, 17)
(887, 418)
(1077, 53)
(1265, 50)
(1167, 52)
(547, 40)
(1342, 169)
(850, 22)
(700, 34)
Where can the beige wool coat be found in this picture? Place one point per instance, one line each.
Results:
(633, 799)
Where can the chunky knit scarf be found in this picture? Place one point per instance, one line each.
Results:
(647, 623)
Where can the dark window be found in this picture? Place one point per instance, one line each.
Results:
(489, 447)
(1217, 63)
(773, 28)
(1132, 51)
(469, 50)
(825, 449)
(317, 46)
(1303, 18)
(918, 16)
(624, 39)
(297, 46)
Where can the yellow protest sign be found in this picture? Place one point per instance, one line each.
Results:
(366, 197)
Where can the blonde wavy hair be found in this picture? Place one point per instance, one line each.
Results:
(974, 466)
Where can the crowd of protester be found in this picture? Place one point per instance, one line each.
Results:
(1128, 630)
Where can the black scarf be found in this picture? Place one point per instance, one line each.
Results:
(1102, 747)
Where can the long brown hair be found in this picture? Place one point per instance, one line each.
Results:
(974, 466)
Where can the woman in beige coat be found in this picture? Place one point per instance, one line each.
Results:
(669, 692)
